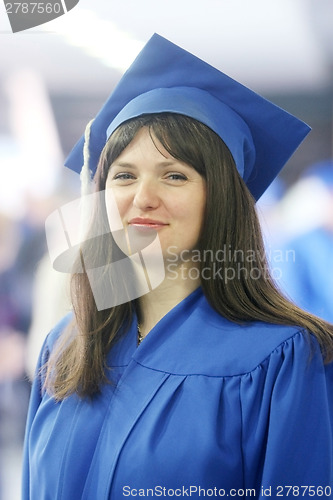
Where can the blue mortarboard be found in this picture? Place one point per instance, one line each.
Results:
(165, 78)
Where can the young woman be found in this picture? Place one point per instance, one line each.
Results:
(212, 383)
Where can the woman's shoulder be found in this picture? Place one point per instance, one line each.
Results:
(248, 346)
(245, 345)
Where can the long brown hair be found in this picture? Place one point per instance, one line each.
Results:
(78, 365)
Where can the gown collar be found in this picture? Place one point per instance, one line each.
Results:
(127, 346)
(193, 339)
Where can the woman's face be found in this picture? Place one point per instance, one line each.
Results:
(153, 190)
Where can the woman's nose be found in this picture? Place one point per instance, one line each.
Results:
(146, 196)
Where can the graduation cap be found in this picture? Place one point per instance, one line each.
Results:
(166, 78)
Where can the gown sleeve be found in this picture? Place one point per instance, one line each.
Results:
(295, 390)
(35, 400)
(36, 396)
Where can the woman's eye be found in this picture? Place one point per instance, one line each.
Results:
(123, 177)
(177, 177)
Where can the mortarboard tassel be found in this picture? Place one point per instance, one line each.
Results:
(86, 183)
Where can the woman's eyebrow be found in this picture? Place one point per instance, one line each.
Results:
(122, 164)
(125, 164)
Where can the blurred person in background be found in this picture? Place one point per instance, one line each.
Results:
(50, 302)
(307, 278)
(13, 390)
(22, 244)
(11, 356)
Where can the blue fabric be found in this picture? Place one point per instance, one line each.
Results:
(262, 143)
(307, 278)
(202, 402)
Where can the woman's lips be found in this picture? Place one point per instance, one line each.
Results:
(141, 223)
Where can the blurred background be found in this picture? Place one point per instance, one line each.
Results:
(53, 80)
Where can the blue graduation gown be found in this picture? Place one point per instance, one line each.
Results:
(201, 403)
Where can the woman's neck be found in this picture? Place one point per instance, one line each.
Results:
(158, 302)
